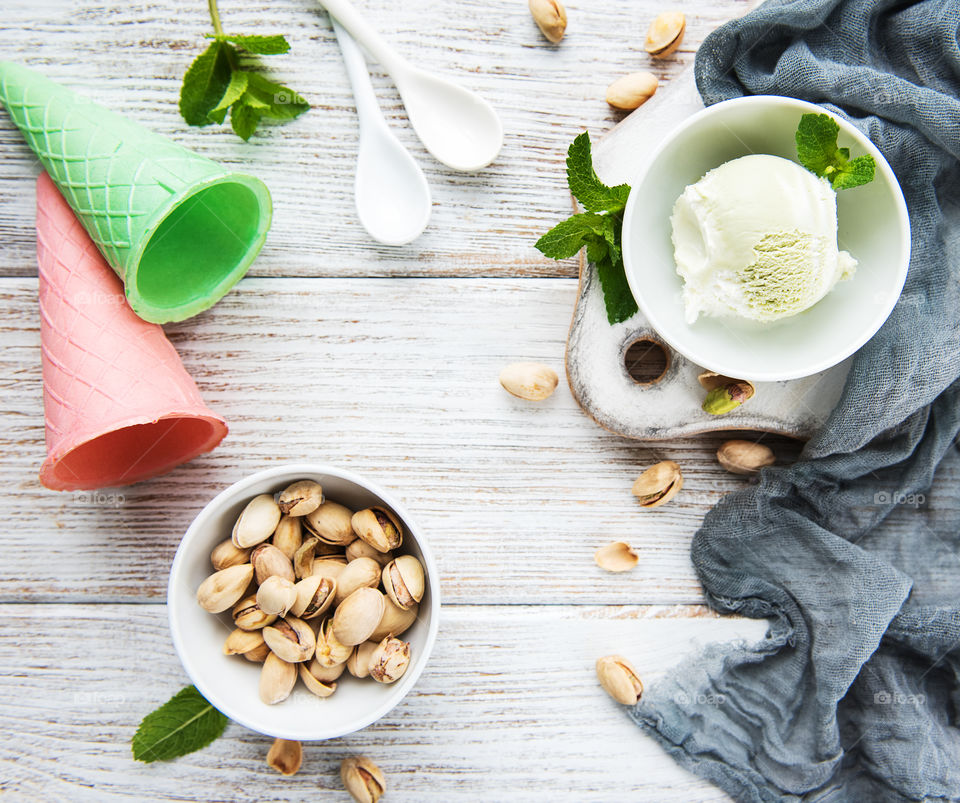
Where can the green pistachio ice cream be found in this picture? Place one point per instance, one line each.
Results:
(757, 238)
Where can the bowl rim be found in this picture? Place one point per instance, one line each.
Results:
(883, 312)
(225, 704)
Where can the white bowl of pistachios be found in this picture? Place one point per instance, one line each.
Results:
(303, 602)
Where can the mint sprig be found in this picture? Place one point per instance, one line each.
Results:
(817, 151)
(598, 229)
(183, 724)
(215, 83)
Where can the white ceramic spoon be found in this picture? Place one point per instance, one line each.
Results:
(456, 125)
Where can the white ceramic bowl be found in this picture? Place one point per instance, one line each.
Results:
(873, 226)
(230, 683)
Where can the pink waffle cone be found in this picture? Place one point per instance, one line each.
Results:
(119, 405)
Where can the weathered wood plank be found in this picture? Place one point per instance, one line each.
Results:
(507, 709)
(131, 57)
(392, 378)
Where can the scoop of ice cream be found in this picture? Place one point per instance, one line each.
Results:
(757, 237)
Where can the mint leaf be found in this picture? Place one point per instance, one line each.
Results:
(818, 152)
(567, 238)
(244, 119)
(616, 291)
(584, 183)
(281, 102)
(204, 84)
(274, 45)
(233, 93)
(183, 724)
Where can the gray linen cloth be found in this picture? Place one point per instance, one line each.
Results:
(854, 552)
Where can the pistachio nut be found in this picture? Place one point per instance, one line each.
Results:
(358, 664)
(227, 554)
(329, 566)
(303, 558)
(631, 91)
(288, 536)
(620, 679)
(358, 616)
(330, 651)
(379, 528)
(314, 685)
(276, 595)
(361, 549)
(394, 620)
(242, 642)
(268, 561)
(665, 34)
(331, 524)
(325, 674)
(745, 457)
(389, 660)
(248, 615)
(616, 557)
(359, 573)
(292, 639)
(314, 595)
(223, 588)
(658, 484)
(277, 679)
(362, 779)
(285, 756)
(729, 397)
(257, 522)
(529, 380)
(551, 18)
(258, 654)
(301, 498)
(403, 581)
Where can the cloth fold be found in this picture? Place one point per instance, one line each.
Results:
(853, 553)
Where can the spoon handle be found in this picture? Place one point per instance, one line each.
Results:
(344, 12)
(367, 107)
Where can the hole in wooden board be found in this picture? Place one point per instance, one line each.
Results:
(646, 361)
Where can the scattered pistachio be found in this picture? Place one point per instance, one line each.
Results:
(389, 660)
(288, 536)
(358, 664)
(551, 18)
(358, 616)
(223, 588)
(304, 556)
(616, 557)
(379, 528)
(285, 756)
(321, 688)
(359, 573)
(325, 674)
(658, 484)
(330, 651)
(331, 524)
(362, 779)
(403, 581)
(248, 615)
(619, 679)
(745, 457)
(394, 620)
(532, 381)
(665, 34)
(361, 549)
(277, 679)
(227, 554)
(300, 498)
(257, 522)
(631, 91)
(292, 639)
(276, 595)
(725, 393)
(314, 595)
(242, 642)
(268, 561)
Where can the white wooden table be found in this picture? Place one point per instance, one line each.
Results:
(515, 497)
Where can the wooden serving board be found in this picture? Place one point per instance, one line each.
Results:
(597, 353)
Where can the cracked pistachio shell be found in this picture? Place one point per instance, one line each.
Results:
(285, 756)
(745, 457)
(359, 573)
(616, 557)
(227, 554)
(257, 522)
(314, 595)
(394, 620)
(248, 615)
(303, 558)
(241, 642)
(325, 674)
(379, 528)
(288, 536)
(258, 654)
(331, 524)
(665, 34)
(314, 685)
(403, 581)
(222, 589)
(389, 660)
(361, 549)
(358, 616)
(277, 679)
(276, 595)
(619, 679)
(551, 18)
(362, 779)
(529, 380)
(269, 561)
(632, 91)
(724, 393)
(658, 484)
(292, 639)
(330, 651)
(300, 498)
(329, 566)
(358, 664)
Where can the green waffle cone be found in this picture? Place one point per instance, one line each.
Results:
(177, 228)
